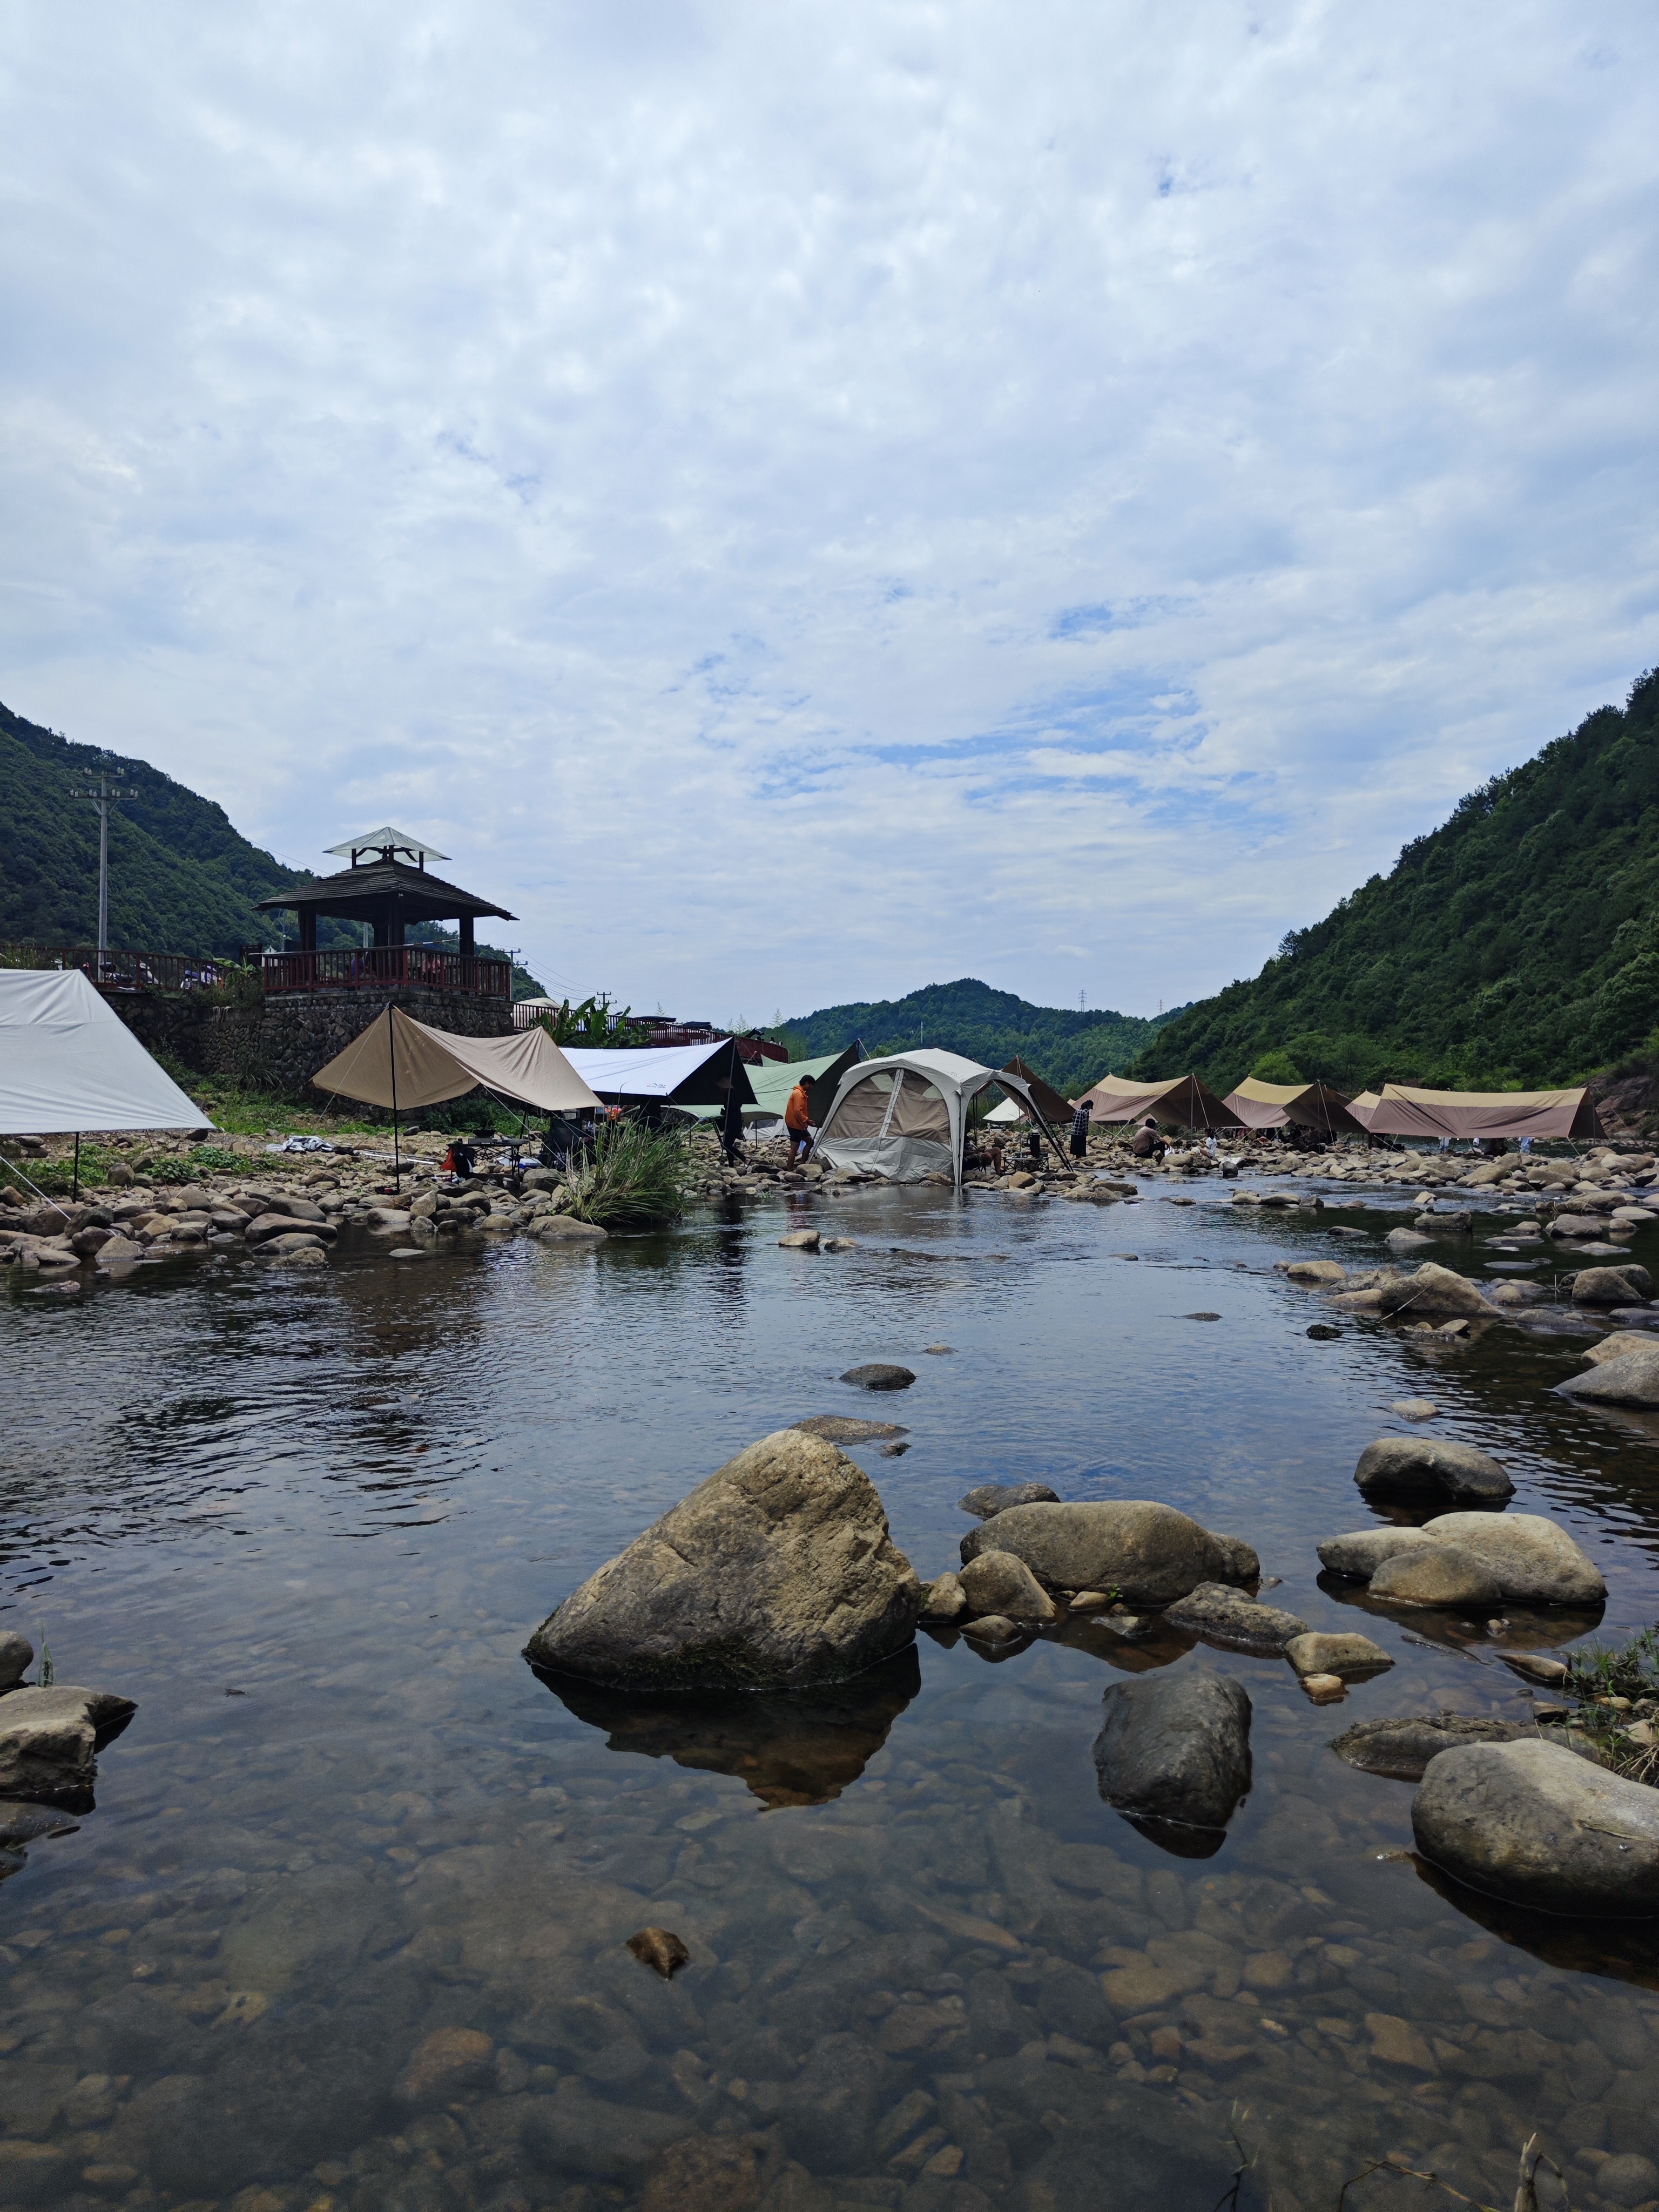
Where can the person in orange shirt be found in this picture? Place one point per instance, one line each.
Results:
(798, 1120)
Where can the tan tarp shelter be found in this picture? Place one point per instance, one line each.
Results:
(400, 1063)
(1054, 1109)
(1186, 1099)
(903, 1116)
(1307, 1105)
(1364, 1106)
(1464, 1113)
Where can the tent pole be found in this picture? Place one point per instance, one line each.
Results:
(396, 1160)
(75, 1193)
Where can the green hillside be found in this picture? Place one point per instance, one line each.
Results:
(180, 878)
(1517, 946)
(1068, 1048)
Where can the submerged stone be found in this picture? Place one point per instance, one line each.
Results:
(1402, 1747)
(1176, 1747)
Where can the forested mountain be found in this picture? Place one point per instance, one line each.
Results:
(180, 878)
(1068, 1048)
(1517, 945)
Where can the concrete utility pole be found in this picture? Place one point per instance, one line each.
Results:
(102, 796)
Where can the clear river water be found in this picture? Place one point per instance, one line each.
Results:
(347, 1929)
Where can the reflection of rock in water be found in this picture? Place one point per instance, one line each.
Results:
(790, 1747)
(1622, 1950)
(1527, 1628)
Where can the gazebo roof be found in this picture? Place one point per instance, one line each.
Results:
(360, 893)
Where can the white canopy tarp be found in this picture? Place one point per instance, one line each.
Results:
(400, 1063)
(680, 1074)
(69, 1063)
(902, 1117)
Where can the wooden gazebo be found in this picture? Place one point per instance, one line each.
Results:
(387, 885)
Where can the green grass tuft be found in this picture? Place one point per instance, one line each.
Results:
(635, 1179)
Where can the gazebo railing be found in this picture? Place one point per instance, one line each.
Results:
(388, 966)
(122, 971)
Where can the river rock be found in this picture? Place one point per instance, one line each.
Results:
(848, 1429)
(1348, 1657)
(1427, 1468)
(777, 1570)
(1402, 1747)
(1570, 1226)
(48, 1738)
(1148, 1553)
(1433, 1289)
(997, 1497)
(992, 1628)
(1176, 1747)
(1315, 1271)
(16, 1657)
(1436, 1574)
(998, 1582)
(1632, 1380)
(801, 1240)
(1221, 1614)
(1402, 1240)
(1617, 1345)
(1537, 1825)
(1611, 1286)
(118, 1252)
(943, 1601)
(880, 1376)
(1518, 1294)
(561, 1229)
(1533, 1560)
(1358, 1556)
(269, 1226)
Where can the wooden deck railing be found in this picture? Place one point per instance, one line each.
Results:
(388, 966)
(122, 971)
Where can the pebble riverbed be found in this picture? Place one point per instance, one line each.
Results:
(346, 1927)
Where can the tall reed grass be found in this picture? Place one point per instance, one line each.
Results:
(635, 1179)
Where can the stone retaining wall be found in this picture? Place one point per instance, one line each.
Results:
(275, 1044)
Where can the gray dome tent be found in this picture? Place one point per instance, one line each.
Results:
(903, 1117)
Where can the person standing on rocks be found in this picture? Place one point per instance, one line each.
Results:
(798, 1120)
(1080, 1130)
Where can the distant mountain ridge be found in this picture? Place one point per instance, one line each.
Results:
(1516, 946)
(1068, 1047)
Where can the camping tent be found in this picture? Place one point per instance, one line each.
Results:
(1184, 1098)
(1008, 1111)
(772, 1081)
(1055, 1111)
(903, 1116)
(1403, 1113)
(1308, 1105)
(400, 1063)
(1364, 1106)
(69, 1063)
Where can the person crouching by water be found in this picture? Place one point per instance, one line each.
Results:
(798, 1120)
(1080, 1130)
(1147, 1143)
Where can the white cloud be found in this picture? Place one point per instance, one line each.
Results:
(806, 502)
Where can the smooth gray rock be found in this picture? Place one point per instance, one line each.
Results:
(992, 1498)
(1632, 1381)
(1425, 1468)
(48, 1739)
(1176, 1747)
(1534, 1559)
(1537, 1825)
(998, 1582)
(1349, 1656)
(1623, 1285)
(1403, 1746)
(16, 1657)
(778, 1571)
(1436, 1574)
(1148, 1553)
(943, 1601)
(1221, 1614)
(848, 1429)
(878, 1376)
(1359, 1555)
(268, 1226)
(1404, 1241)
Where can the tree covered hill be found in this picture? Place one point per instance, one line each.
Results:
(181, 879)
(1067, 1046)
(1515, 945)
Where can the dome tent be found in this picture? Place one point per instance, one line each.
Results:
(903, 1116)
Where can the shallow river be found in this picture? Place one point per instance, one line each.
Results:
(346, 1927)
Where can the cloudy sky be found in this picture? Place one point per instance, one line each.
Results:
(805, 501)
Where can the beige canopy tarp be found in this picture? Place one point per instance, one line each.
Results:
(1403, 1113)
(1308, 1105)
(1055, 1111)
(1364, 1106)
(403, 1064)
(1186, 1099)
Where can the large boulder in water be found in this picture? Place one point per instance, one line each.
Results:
(1626, 1285)
(1226, 1616)
(776, 1573)
(1537, 1825)
(1434, 1290)
(1176, 1747)
(1533, 1558)
(1436, 1575)
(1632, 1380)
(1149, 1553)
(1358, 1555)
(48, 1739)
(1423, 1468)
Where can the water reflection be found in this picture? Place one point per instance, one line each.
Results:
(787, 1748)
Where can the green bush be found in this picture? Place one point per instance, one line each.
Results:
(635, 1179)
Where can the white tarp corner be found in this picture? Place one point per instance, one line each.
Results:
(70, 1064)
